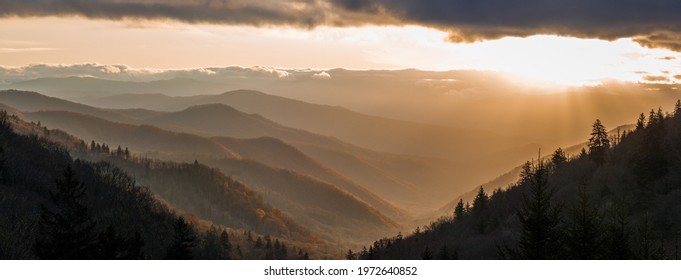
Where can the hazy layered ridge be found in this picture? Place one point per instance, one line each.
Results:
(351, 214)
(413, 182)
(276, 153)
(376, 133)
(180, 145)
(416, 175)
(478, 100)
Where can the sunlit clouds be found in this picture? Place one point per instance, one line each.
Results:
(164, 45)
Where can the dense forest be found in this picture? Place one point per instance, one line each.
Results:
(618, 199)
(56, 207)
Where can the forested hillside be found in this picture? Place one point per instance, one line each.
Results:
(618, 199)
(60, 208)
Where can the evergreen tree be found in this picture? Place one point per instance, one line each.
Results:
(540, 237)
(479, 211)
(350, 255)
(652, 119)
(598, 143)
(481, 202)
(677, 108)
(641, 122)
(582, 153)
(459, 211)
(584, 240)
(184, 241)
(660, 116)
(211, 249)
(525, 172)
(558, 158)
(65, 230)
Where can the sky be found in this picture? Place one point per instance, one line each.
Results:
(576, 42)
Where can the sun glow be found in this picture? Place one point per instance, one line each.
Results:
(541, 59)
(571, 61)
(545, 59)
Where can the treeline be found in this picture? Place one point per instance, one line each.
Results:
(617, 199)
(202, 191)
(55, 207)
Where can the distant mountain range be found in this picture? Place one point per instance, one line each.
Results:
(411, 181)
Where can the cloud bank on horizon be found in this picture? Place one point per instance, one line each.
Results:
(652, 23)
(119, 72)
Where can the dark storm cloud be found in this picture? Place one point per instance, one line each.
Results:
(652, 23)
(291, 12)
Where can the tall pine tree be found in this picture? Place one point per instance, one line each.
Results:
(459, 211)
(599, 144)
(558, 158)
(479, 211)
(65, 230)
(184, 241)
(641, 122)
(540, 237)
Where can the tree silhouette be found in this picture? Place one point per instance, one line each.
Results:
(479, 211)
(641, 122)
(481, 202)
(652, 119)
(350, 255)
(540, 235)
(459, 211)
(598, 142)
(558, 158)
(525, 172)
(184, 241)
(584, 240)
(65, 230)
